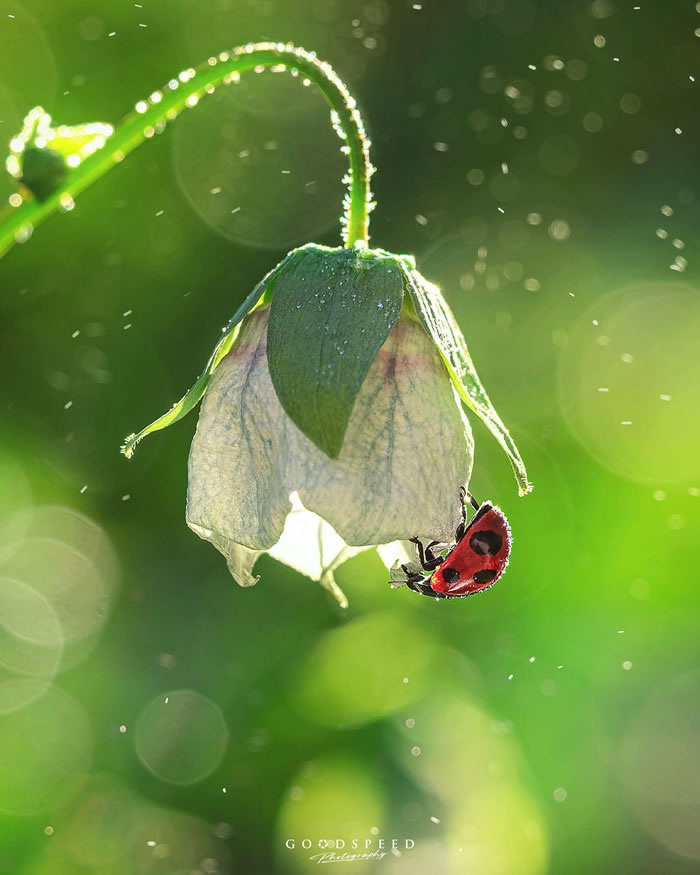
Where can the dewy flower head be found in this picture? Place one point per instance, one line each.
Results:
(332, 418)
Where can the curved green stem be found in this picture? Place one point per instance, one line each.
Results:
(151, 115)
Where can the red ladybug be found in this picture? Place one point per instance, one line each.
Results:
(473, 563)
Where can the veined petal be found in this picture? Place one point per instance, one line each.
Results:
(236, 488)
(407, 450)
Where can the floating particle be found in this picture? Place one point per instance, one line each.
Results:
(665, 397)
(560, 794)
(658, 495)
(627, 665)
(599, 41)
(592, 122)
(626, 422)
(122, 729)
(421, 219)
(559, 230)
(83, 489)
(126, 497)
(676, 522)
(627, 358)
(603, 389)
(666, 210)
(532, 659)
(435, 819)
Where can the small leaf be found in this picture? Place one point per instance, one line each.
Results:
(260, 295)
(331, 312)
(437, 319)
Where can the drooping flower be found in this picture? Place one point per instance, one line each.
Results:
(332, 417)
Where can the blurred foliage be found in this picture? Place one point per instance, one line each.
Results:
(540, 159)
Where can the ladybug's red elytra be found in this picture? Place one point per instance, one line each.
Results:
(473, 563)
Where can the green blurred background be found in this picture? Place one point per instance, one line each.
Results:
(540, 160)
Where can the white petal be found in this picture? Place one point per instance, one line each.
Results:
(311, 546)
(236, 486)
(407, 450)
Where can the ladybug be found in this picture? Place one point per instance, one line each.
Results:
(473, 563)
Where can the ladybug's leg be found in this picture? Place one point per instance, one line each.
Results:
(427, 559)
(429, 555)
(463, 494)
(462, 527)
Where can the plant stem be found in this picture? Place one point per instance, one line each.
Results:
(150, 116)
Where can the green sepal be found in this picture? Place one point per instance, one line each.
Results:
(440, 324)
(332, 310)
(260, 295)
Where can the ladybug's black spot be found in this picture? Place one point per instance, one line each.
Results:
(485, 576)
(450, 575)
(486, 543)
